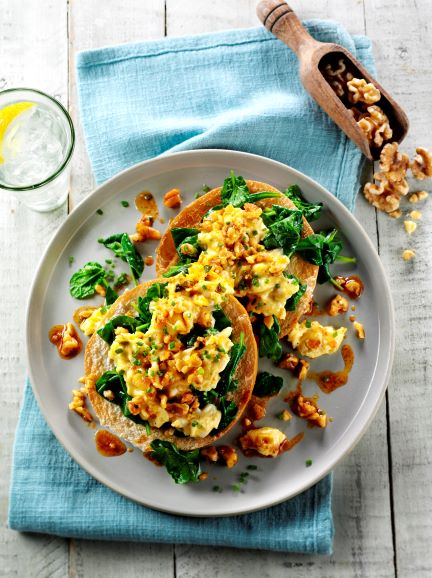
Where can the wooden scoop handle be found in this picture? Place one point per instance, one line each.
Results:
(282, 21)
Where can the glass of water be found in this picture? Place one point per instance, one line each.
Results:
(37, 139)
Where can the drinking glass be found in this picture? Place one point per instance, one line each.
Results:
(37, 139)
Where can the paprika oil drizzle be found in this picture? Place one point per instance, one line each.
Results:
(109, 445)
(328, 381)
(146, 204)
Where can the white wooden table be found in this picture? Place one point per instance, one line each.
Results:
(382, 496)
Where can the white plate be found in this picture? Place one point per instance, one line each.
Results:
(352, 406)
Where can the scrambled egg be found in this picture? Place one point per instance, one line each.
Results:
(93, 323)
(160, 371)
(313, 339)
(200, 423)
(231, 242)
(265, 440)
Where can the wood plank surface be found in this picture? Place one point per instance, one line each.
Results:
(29, 36)
(37, 48)
(403, 43)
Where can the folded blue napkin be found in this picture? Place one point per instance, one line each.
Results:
(235, 90)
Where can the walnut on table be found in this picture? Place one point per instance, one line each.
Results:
(421, 166)
(308, 409)
(362, 91)
(337, 306)
(418, 196)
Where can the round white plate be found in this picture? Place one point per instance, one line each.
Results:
(352, 407)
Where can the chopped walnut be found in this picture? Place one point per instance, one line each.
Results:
(149, 260)
(359, 329)
(375, 125)
(109, 395)
(210, 453)
(307, 408)
(391, 183)
(302, 369)
(100, 290)
(338, 76)
(421, 166)
(337, 306)
(172, 199)
(418, 196)
(78, 404)
(145, 231)
(203, 476)
(257, 411)
(288, 361)
(188, 249)
(408, 254)
(416, 215)
(410, 227)
(395, 214)
(362, 91)
(229, 455)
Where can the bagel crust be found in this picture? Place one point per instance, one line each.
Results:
(191, 216)
(96, 362)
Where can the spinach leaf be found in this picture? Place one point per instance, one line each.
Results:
(221, 320)
(267, 384)
(269, 344)
(107, 332)
(123, 247)
(229, 411)
(311, 211)
(182, 466)
(293, 301)
(183, 235)
(181, 267)
(321, 249)
(235, 192)
(82, 283)
(113, 381)
(227, 382)
(154, 292)
(285, 227)
(110, 296)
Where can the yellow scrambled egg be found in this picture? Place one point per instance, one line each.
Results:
(231, 241)
(159, 369)
(313, 339)
(94, 322)
(265, 440)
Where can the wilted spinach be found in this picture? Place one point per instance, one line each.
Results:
(227, 382)
(182, 466)
(311, 211)
(293, 301)
(107, 332)
(181, 267)
(285, 227)
(236, 192)
(183, 235)
(82, 283)
(122, 247)
(321, 249)
(229, 411)
(267, 384)
(269, 344)
(154, 292)
(110, 295)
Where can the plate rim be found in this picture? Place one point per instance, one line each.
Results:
(75, 215)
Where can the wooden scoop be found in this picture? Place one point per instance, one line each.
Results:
(314, 56)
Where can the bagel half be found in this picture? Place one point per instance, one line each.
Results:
(96, 362)
(191, 216)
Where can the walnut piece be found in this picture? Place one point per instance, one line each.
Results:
(257, 412)
(421, 166)
(395, 214)
(359, 329)
(338, 76)
(408, 254)
(416, 215)
(145, 231)
(289, 361)
(78, 404)
(302, 369)
(172, 199)
(229, 455)
(418, 196)
(410, 227)
(337, 306)
(375, 125)
(308, 409)
(210, 453)
(362, 91)
(391, 184)
(285, 415)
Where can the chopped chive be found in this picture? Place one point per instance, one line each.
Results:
(99, 212)
(236, 488)
(108, 261)
(205, 188)
(251, 467)
(124, 204)
(172, 345)
(308, 463)
(119, 350)
(101, 240)
(148, 428)
(308, 324)
(71, 260)
(197, 195)
(216, 489)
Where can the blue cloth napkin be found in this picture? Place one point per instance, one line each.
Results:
(236, 90)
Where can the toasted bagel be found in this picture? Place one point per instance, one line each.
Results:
(96, 362)
(191, 216)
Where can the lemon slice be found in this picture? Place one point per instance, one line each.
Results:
(7, 115)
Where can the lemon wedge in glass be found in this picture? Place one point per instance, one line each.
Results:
(7, 115)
